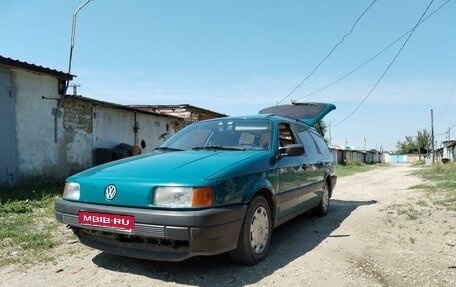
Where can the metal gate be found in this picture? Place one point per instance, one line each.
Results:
(8, 152)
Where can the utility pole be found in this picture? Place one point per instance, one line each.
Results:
(432, 136)
(60, 101)
(419, 145)
(365, 141)
(329, 128)
(73, 33)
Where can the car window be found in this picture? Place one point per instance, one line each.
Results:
(243, 134)
(310, 148)
(321, 144)
(286, 135)
(189, 138)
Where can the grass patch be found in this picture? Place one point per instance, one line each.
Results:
(442, 184)
(351, 168)
(409, 212)
(27, 220)
(406, 210)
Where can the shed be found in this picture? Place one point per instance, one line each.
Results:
(47, 133)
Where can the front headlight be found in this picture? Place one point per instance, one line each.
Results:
(176, 196)
(72, 191)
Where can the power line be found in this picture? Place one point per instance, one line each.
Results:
(452, 90)
(329, 54)
(372, 58)
(389, 66)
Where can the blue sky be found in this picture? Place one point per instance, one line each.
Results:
(237, 57)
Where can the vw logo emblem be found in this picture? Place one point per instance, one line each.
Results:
(110, 191)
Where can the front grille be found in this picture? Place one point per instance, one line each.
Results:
(131, 241)
(146, 230)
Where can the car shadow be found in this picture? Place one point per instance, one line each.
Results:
(289, 241)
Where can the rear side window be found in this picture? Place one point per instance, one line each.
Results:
(309, 144)
(322, 146)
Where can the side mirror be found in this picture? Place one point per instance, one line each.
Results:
(292, 149)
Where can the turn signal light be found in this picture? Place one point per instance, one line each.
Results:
(202, 196)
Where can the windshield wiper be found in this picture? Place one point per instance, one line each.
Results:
(217, 147)
(168, 148)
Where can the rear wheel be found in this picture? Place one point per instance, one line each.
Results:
(255, 235)
(323, 206)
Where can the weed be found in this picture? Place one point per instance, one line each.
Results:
(441, 186)
(410, 212)
(26, 214)
(422, 203)
(389, 221)
(352, 168)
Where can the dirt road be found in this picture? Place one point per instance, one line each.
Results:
(378, 233)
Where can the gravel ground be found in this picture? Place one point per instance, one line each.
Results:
(378, 233)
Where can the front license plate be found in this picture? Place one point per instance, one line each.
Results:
(115, 221)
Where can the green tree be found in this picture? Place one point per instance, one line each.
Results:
(420, 144)
(407, 146)
(424, 142)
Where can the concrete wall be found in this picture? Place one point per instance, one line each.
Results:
(112, 126)
(78, 132)
(38, 153)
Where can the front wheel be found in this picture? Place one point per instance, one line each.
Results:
(255, 234)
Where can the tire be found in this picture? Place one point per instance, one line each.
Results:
(255, 235)
(323, 206)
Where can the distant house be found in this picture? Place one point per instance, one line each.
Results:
(452, 151)
(447, 152)
(47, 133)
(347, 154)
(189, 113)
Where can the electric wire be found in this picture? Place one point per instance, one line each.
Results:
(452, 91)
(372, 58)
(389, 66)
(329, 54)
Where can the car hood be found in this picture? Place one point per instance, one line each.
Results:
(309, 113)
(170, 167)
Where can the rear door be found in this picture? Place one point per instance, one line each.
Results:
(313, 166)
(298, 174)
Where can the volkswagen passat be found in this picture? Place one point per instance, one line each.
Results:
(216, 186)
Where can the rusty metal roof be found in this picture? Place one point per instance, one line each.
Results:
(35, 68)
(119, 106)
(177, 107)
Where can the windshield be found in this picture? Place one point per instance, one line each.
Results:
(223, 134)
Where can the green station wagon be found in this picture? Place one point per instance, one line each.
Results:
(216, 186)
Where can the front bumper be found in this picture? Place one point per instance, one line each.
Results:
(158, 234)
